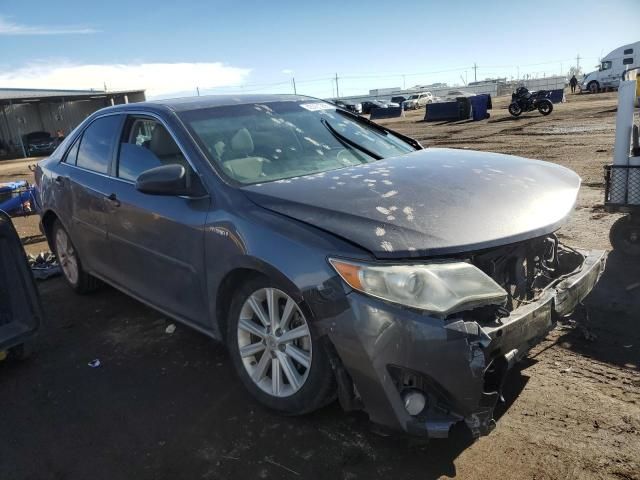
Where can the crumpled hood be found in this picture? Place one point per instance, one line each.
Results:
(429, 202)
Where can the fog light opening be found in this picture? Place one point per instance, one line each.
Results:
(414, 401)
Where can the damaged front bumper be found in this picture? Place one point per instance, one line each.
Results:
(457, 364)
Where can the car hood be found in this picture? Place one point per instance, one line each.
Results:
(430, 202)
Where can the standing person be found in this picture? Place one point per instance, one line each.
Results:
(573, 82)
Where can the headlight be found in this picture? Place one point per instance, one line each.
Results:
(439, 287)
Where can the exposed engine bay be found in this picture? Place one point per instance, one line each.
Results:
(526, 269)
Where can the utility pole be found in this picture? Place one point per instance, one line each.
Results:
(293, 81)
(578, 62)
(475, 72)
(337, 89)
(198, 90)
(404, 82)
(518, 75)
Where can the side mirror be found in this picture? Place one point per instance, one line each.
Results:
(164, 180)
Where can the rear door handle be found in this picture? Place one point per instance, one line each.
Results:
(113, 199)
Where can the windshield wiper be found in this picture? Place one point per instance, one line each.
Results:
(346, 141)
(354, 116)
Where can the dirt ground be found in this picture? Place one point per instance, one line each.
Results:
(169, 406)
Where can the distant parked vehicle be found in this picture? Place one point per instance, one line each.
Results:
(369, 105)
(347, 105)
(453, 94)
(418, 100)
(522, 100)
(611, 67)
(399, 99)
(37, 144)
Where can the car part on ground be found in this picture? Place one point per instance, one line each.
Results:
(44, 265)
(20, 309)
(449, 270)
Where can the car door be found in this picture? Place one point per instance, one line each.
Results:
(157, 241)
(88, 164)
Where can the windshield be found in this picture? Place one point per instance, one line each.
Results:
(413, 97)
(262, 142)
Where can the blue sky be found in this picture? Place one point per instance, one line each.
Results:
(172, 47)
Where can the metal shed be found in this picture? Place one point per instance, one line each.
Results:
(57, 112)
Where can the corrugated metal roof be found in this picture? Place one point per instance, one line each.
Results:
(29, 93)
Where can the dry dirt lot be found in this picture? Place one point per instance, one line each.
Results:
(169, 406)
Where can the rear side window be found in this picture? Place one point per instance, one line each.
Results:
(627, 61)
(628, 51)
(96, 146)
(72, 153)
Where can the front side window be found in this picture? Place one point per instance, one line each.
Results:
(147, 144)
(605, 65)
(96, 145)
(261, 142)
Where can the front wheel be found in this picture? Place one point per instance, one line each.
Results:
(625, 236)
(593, 86)
(545, 107)
(514, 109)
(275, 351)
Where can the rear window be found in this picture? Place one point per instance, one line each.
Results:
(628, 51)
(627, 61)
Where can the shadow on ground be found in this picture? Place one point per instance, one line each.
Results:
(607, 328)
(169, 406)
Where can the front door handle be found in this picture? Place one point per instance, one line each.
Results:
(113, 199)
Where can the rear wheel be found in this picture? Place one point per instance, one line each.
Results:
(545, 107)
(625, 235)
(276, 352)
(514, 109)
(70, 263)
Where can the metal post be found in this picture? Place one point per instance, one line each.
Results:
(293, 81)
(337, 89)
(24, 152)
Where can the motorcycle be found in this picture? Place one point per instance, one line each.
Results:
(522, 100)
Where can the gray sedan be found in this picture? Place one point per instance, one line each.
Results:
(335, 257)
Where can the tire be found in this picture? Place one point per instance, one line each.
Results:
(545, 107)
(514, 109)
(316, 383)
(625, 236)
(72, 271)
(593, 86)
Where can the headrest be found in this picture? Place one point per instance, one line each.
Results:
(162, 143)
(241, 142)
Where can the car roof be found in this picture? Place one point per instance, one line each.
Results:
(209, 101)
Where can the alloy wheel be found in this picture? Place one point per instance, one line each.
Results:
(67, 257)
(274, 342)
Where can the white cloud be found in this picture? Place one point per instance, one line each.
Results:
(158, 79)
(8, 27)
